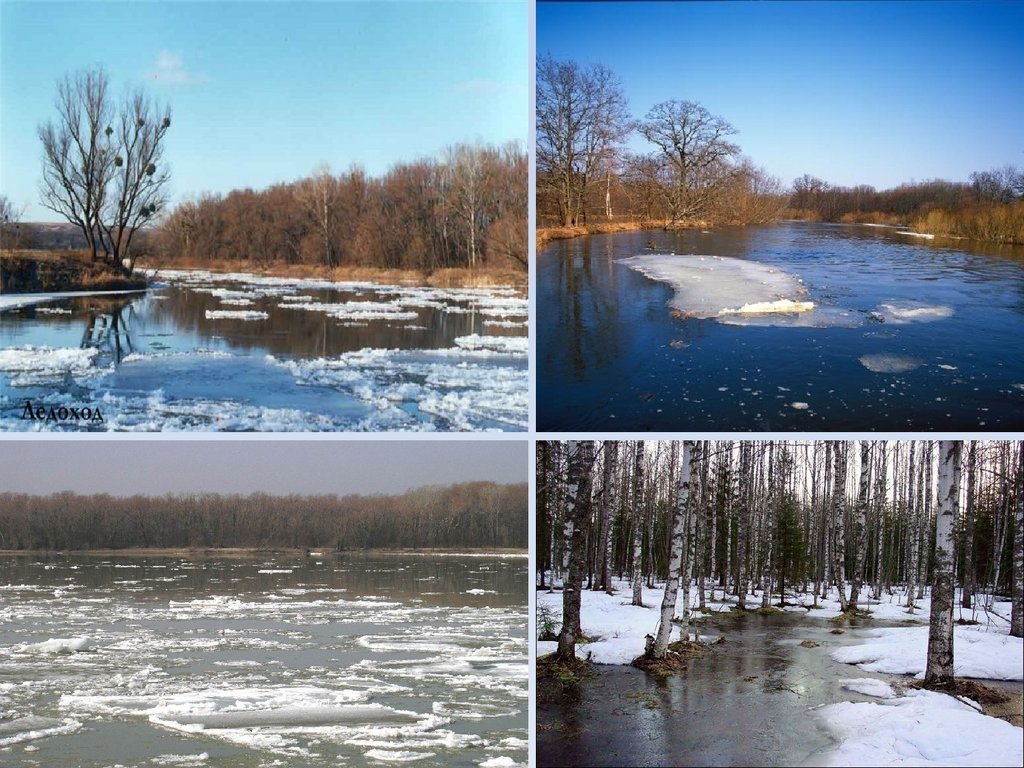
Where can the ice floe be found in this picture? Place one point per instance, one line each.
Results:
(711, 286)
(228, 314)
(35, 365)
(890, 363)
(904, 312)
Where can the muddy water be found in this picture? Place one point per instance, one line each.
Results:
(747, 701)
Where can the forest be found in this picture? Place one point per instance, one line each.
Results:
(784, 518)
(692, 172)
(477, 514)
(467, 209)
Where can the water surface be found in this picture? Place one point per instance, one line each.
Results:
(906, 334)
(288, 660)
(205, 351)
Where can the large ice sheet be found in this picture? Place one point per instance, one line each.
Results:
(715, 286)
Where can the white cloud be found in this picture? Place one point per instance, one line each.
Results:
(170, 70)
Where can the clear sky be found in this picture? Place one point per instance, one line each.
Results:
(160, 466)
(876, 93)
(262, 92)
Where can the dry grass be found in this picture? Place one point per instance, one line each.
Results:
(32, 271)
(993, 223)
(546, 234)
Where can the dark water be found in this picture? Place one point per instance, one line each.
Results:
(287, 660)
(611, 356)
(745, 702)
(327, 356)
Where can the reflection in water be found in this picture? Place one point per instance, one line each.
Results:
(244, 352)
(612, 355)
(108, 331)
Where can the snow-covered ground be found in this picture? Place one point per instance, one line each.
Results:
(19, 300)
(919, 728)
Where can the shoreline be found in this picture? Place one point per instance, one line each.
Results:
(242, 552)
(448, 277)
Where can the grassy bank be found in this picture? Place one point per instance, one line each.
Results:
(440, 278)
(547, 234)
(25, 271)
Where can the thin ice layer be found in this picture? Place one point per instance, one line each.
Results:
(710, 286)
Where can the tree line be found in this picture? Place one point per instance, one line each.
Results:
(477, 514)
(465, 210)
(868, 518)
(988, 207)
(692, 172)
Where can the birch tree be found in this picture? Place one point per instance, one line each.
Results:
(578, 500)
(679, 543)
(939, 671)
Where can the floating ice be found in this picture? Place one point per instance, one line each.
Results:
(799, 406)
(396, 756)
(227, 314)
(71, 645)
(710, 286)
(515, 345)
(889, 363)
(31, 728)
(903, 312)
(34, 365)
(907, 232)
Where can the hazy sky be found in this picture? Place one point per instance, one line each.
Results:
(264, 91)
(877, 93)
(159, 466)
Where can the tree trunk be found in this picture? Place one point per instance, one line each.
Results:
(638, 520)
(860, 523)
(939, 672)
(679, 516)
(581, 461)
(1017, 609)
(609, 498)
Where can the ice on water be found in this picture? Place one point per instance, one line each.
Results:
(717, 286)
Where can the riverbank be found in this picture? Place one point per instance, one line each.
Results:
(243, 552)
(64, 271)
(546, 235)
(440, 278)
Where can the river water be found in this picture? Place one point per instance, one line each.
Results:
(905, 334)
(208, 351)
(288, 660)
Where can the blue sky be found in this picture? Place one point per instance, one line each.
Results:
(262, 92)
(877, 93)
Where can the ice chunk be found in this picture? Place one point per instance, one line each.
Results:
(903, 312)
(889, 363)
(70, 645)
(227, 314)
(36, 363)
(710, 286)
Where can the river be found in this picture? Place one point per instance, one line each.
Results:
(240, 352)
(249, 661)
(905, 333)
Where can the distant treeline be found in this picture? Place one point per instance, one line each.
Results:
(468, 209)
(479, 514)
(990, 207)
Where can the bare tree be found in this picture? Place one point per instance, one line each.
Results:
(695, 144)
(103, 167)
(1017, 608)
(675, 558)
(319, 196)
(9, 217)
(581, 120)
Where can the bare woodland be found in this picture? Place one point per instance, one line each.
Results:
(465, 210)
(478, 514)
(694, 172)
(871, 518)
